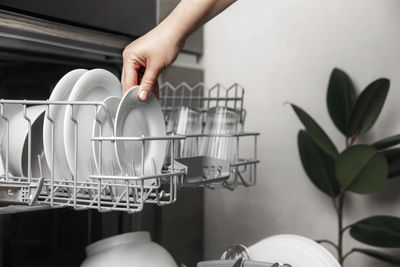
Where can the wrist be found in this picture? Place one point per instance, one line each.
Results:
(171, 34)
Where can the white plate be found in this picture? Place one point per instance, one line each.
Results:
(94, 85)
(18, 143)
(318, 247)
(60, 92)
(9, 111)
(291, 249)
(103, 127)
(137, 118)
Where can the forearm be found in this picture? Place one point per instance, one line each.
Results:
(158, 48)
(190, 15)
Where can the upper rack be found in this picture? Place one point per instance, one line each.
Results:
(129, 192)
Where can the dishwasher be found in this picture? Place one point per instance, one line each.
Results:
(42, 215)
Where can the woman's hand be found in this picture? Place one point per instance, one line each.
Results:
(146, 57)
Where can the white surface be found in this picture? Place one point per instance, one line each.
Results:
(130, 249)
(140, 118)
(103, 127)
(94, 85)
(291, 249)
(285, 51)
(60, 92)
(18, 142)
(9, 110)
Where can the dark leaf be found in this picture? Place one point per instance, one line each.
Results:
(393, 159)
(379, 255)
(361, 169)
(368, 106)
(379, 231)
(316, 133)
(387, 142)
(319, 167)
(340, 99)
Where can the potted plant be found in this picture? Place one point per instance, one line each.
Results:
(359, 168)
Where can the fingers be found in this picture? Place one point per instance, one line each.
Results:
(129, 76)
(148, 81)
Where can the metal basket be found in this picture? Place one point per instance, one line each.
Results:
(130, 192)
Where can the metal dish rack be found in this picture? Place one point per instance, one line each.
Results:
(131, 192)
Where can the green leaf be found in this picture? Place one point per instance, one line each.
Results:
(379, 255)
(368, 106)
(340, 99)
(393, 159)
(387, 142)
(379, 231)
(316, 133)
(361, 169)
(319, 167)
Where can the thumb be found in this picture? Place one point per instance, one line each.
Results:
(148, 81)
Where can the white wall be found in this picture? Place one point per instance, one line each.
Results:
(284, 50)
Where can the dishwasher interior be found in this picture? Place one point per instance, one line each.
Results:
(49, 218)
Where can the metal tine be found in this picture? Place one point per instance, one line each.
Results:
(126, 192)
(173, 96)
(199, 86)
(166, 87)
(29, 143)
(51, 121)
(98, 143)
(40, 166)
(236, 95)
(157, 180)
(182, 87)
(7, 140)
(143, 154)
(75, 122)
(227, 95)
(99, 195)
(241, 104)
(113, 189)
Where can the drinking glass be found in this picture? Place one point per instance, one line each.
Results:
(220, 123)
(185, 121)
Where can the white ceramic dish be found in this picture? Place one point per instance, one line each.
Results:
(9, 110)
(18, 143)
(128, 250)
(103, 127)
(60, 92)
(291, 249)
(138, 118)
(94, 85)
(317, 247)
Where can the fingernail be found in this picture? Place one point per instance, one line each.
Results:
(143, 95)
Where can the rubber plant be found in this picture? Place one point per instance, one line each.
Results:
(359, 168)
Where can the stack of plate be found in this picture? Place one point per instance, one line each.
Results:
(298, 251)
(68, 129)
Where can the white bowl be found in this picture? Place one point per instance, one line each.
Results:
(130, 249)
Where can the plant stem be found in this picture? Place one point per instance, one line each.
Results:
(348, 253)
(340, 228)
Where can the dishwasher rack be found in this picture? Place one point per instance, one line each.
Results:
(130, 192)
